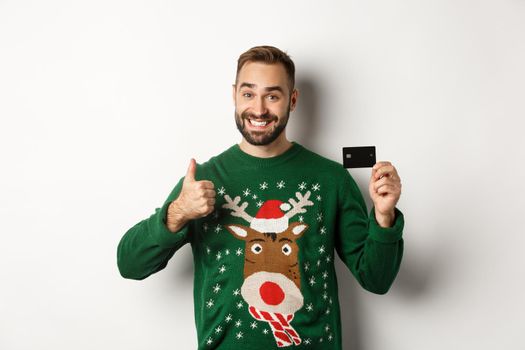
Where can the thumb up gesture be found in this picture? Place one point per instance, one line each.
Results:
(196, 200)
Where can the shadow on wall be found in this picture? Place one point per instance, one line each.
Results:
(306, 117)
(416, 273)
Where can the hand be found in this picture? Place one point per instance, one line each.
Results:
(196, 200)
(385, 190)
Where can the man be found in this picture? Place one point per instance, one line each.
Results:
(263, 219)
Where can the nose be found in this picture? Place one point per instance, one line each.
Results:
(259, 108)
(271, 293)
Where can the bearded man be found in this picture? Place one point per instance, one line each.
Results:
(264, 219)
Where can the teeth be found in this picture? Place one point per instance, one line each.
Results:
(256, 123)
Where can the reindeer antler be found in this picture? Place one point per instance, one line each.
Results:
(298, 206)
(237, 210)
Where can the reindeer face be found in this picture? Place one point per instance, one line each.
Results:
(271, 271)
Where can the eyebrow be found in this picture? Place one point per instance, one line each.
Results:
(268, 88)
(285, 239)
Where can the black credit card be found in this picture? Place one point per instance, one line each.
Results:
(359, 157)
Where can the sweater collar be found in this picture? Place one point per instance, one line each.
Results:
(252, 161)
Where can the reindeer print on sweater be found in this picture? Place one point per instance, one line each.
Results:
(272, 284)
(281, 266)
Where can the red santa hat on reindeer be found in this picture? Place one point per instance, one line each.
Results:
(270, 217)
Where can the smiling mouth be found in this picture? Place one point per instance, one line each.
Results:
(259, 123)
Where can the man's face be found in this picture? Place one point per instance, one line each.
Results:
(262, 102)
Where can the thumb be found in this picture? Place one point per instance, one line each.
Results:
(190, 174)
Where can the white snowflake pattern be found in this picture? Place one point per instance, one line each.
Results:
(318, 263)
(328, 258)
(222, 190)
(308, 341)
(301, 219)
(218, 256)
(205, 227)
(254, 197)
(325, 285)
(316, 187)
(281, 184)
(327, 328)
(325, 274)
(216, 215)
(322, 249)
(321, 340)
(239, 305)
(330, 337)
(238, 252)
(319, 217)
(327, 312)
(323, 230)
(228, 318)
(253, 325)
(318, 197)
(311, 280)
(325, 295)
(218, 329)
(265, 331)
(227, 252)
(246, 192)
(236, 292)
(217, 228)
(330, 301)
(259, 203)
(309, 307)
(210, 303)
(302, 186)
(222, 269)
(306, 266)
(208, 250)
(217, 288)
(238, 323)
(209, 341)
(239, 335)
(263, 186)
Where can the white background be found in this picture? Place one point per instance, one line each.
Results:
(103, 103)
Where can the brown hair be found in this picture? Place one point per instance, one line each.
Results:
(268, 55)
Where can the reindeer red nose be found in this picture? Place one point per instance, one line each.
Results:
(271, 293)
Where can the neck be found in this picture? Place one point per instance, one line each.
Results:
(277, 147)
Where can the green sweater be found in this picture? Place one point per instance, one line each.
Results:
(264, 259)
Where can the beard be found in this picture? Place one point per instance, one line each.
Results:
(261, 138)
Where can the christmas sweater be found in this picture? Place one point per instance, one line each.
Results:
(264, 259)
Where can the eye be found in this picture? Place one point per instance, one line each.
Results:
(273, 98)
(286, 249)
(247, 95)
(257, 248)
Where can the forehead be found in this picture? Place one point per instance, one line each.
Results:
(263, 75)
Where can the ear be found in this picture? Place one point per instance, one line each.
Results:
(293, 99)
(297, 229)
(238, 231)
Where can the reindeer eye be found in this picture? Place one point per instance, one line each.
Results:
(287, 250)
(256, 248)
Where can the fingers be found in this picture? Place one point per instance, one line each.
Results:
(380, 164)
(382, 169)
(385, 181)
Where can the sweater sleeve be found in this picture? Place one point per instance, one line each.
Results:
(372, 253)
(147, 247)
